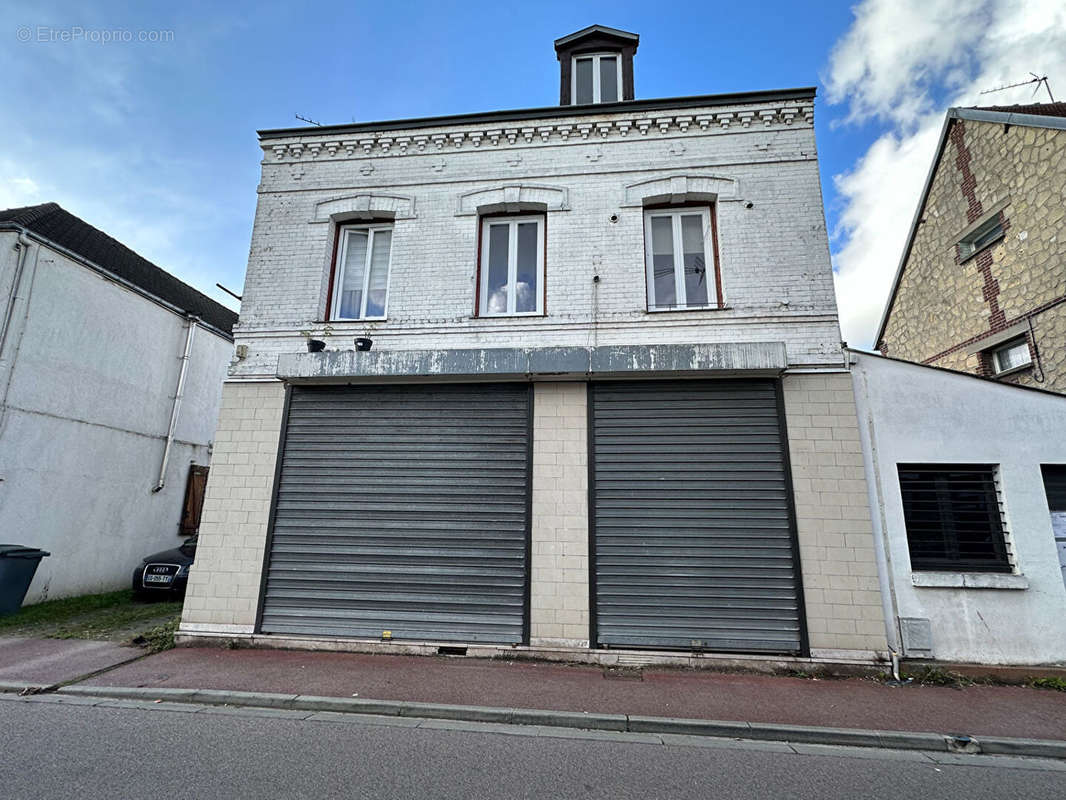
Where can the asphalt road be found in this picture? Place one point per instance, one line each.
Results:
(50, 748)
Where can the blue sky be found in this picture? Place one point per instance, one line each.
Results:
(155, 142)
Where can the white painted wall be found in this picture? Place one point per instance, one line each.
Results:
(910, 413)
(774, 254)
(90, 369)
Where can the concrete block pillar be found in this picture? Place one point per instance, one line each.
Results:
(560, 558)
(223, 592)
(842, 593)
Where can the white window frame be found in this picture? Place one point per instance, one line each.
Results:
(342, 259)
(512, 265)
(1021, 341)
(680, 292)
(595, 75)
(968, 244)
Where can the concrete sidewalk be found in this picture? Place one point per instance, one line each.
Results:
(982, 711)
(49, 661)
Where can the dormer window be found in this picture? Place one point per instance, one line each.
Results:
(596, 66)
(596, 78)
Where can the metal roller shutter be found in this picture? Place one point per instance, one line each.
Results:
(692, 524)
(403, 509)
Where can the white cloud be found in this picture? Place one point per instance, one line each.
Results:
(16, 188)
(903, 63)
(107, 146)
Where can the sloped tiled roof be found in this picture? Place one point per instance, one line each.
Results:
(54, 223)
(1037, 109)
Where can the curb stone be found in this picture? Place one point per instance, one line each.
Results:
(892, 740)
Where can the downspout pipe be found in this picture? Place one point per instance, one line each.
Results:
(190, 330)
(21, 289)
(22, 245)
(882, 553)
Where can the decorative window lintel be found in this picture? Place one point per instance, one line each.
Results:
(514, 198)
(365, 206)
(682, 189)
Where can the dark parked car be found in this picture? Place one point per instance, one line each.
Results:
(165, 574)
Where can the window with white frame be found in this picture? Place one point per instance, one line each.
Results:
(985, 234)
(512, 266)
(679, 251)
(1011, 356)
(364, 253)
(596, 78)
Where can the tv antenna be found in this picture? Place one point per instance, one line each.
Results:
(305, 119)
(227, 291)
(1036, 79)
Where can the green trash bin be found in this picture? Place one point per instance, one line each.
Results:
(18, 564)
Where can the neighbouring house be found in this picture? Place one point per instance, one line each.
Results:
(968, 481)
(599, 409)
(110, 378)
(981, 286)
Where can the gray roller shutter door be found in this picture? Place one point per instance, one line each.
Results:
(402, 509)
(692, 531)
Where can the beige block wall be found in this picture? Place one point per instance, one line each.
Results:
(559, 613)
(836, 541)
(223, 590)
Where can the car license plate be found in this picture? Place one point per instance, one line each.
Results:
(157, 578)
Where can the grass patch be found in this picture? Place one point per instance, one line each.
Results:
(935, 676)
(56, 612)
(159, 638)
(105, 623)
(113, 616)
(1055, 684)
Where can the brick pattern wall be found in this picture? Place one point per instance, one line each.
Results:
(774, 255)
(836, 541)
(560, 586)
(944, 307)
(223, 591)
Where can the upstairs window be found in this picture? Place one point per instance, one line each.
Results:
(362, 277)
(986, 234)
(953, 517)
(597, 78)
(511, 280)
(680, 255)
(1013, 355)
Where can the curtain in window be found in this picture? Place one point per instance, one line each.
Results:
(379, 274)
(662, 258)
(354, 273)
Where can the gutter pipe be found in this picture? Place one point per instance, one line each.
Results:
(191, 329)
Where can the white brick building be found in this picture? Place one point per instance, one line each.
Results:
(565, 438)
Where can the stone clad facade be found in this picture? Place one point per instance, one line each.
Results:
(949, 311)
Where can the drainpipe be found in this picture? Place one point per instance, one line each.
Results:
(18, 291)
(882, 553)
(22, 245)
(177, 404)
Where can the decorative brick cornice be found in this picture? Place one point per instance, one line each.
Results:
(312, 147)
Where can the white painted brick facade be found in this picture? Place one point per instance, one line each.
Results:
(777, 283)
(775, 267)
